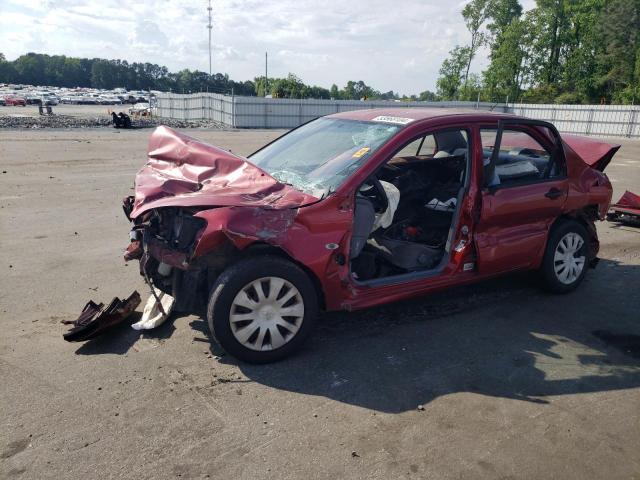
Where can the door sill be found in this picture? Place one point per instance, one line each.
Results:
(405, 277)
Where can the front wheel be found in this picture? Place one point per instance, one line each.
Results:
(262, 308)
(565, 260)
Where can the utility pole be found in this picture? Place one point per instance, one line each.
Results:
(266, 78)
(209, 26)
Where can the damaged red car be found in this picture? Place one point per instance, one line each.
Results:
(359, 209)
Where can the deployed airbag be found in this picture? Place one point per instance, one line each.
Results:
(385, 219)
(157, 310)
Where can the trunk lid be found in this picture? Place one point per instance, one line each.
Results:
(184, 172)
(595, 153)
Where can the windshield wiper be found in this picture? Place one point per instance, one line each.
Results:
(326, 193)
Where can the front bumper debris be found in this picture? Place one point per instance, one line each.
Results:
(95, 319)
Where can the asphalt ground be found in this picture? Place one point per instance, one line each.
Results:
(512, 382)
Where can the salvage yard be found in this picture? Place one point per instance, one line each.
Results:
(496, 380)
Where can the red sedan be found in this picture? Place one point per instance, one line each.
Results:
(15, 101)
(359, 209)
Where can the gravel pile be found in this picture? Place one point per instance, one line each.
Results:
(65, 121)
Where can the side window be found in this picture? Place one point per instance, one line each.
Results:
(428, 146)
(438, 161)
(522, 159)
(420, 146)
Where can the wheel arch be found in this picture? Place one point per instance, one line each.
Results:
(585, 216)
(216, 261)
(262, 248)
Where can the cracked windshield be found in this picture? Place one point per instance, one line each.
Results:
(317, 157)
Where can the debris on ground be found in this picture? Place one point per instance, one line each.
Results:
(68, 121)
(121, 120)
(626, 210)
(95, 318)
(156, 311)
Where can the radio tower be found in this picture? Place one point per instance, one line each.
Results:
(209, 26)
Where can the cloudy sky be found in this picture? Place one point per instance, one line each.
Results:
(390, 44)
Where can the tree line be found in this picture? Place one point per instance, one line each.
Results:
(63, 71)
(561, 51)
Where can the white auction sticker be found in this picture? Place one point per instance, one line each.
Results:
(400, 120)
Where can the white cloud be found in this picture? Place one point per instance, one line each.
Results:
(388, 44)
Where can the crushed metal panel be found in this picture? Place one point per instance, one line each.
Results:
(182, 171)
(95, 318)
(595, 153)
(628, 200)
(626, 210)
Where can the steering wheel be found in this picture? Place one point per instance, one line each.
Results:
(374, 191)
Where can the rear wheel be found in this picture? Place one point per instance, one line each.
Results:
(566, 259)
(262, 308)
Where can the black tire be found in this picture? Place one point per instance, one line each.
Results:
(550, 278)
(237, 277)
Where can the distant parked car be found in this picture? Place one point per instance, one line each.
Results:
(110, 100)
(48, 99)
(33, 99)
(15, 101)
(69, 99)
(2, 102)
(141, 109)
(89, 100)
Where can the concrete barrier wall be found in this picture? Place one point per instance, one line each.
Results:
(257, 112)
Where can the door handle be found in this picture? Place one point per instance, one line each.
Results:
(554, 193)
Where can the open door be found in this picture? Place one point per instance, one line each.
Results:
(524, 191)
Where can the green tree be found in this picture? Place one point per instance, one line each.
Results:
(500, 14)
(509, 64)
(30, 69)
(475, 13)
(451, 73)
(618, 59)
(427, 96)
(8, 72)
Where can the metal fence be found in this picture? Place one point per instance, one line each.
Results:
(196, 106)
(257, 112)
(596, 120)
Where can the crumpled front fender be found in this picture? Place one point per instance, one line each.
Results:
(244, 226)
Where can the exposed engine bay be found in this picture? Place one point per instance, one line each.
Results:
(163, 240)
(421, 215)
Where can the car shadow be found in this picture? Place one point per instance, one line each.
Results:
(121, 338)
(628, 226)
(504, 338)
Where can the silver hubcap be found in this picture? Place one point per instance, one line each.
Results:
(567, 263)
(266, 313)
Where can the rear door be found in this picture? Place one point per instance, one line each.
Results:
(524, 190)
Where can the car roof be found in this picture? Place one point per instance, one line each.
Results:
(410, 115)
